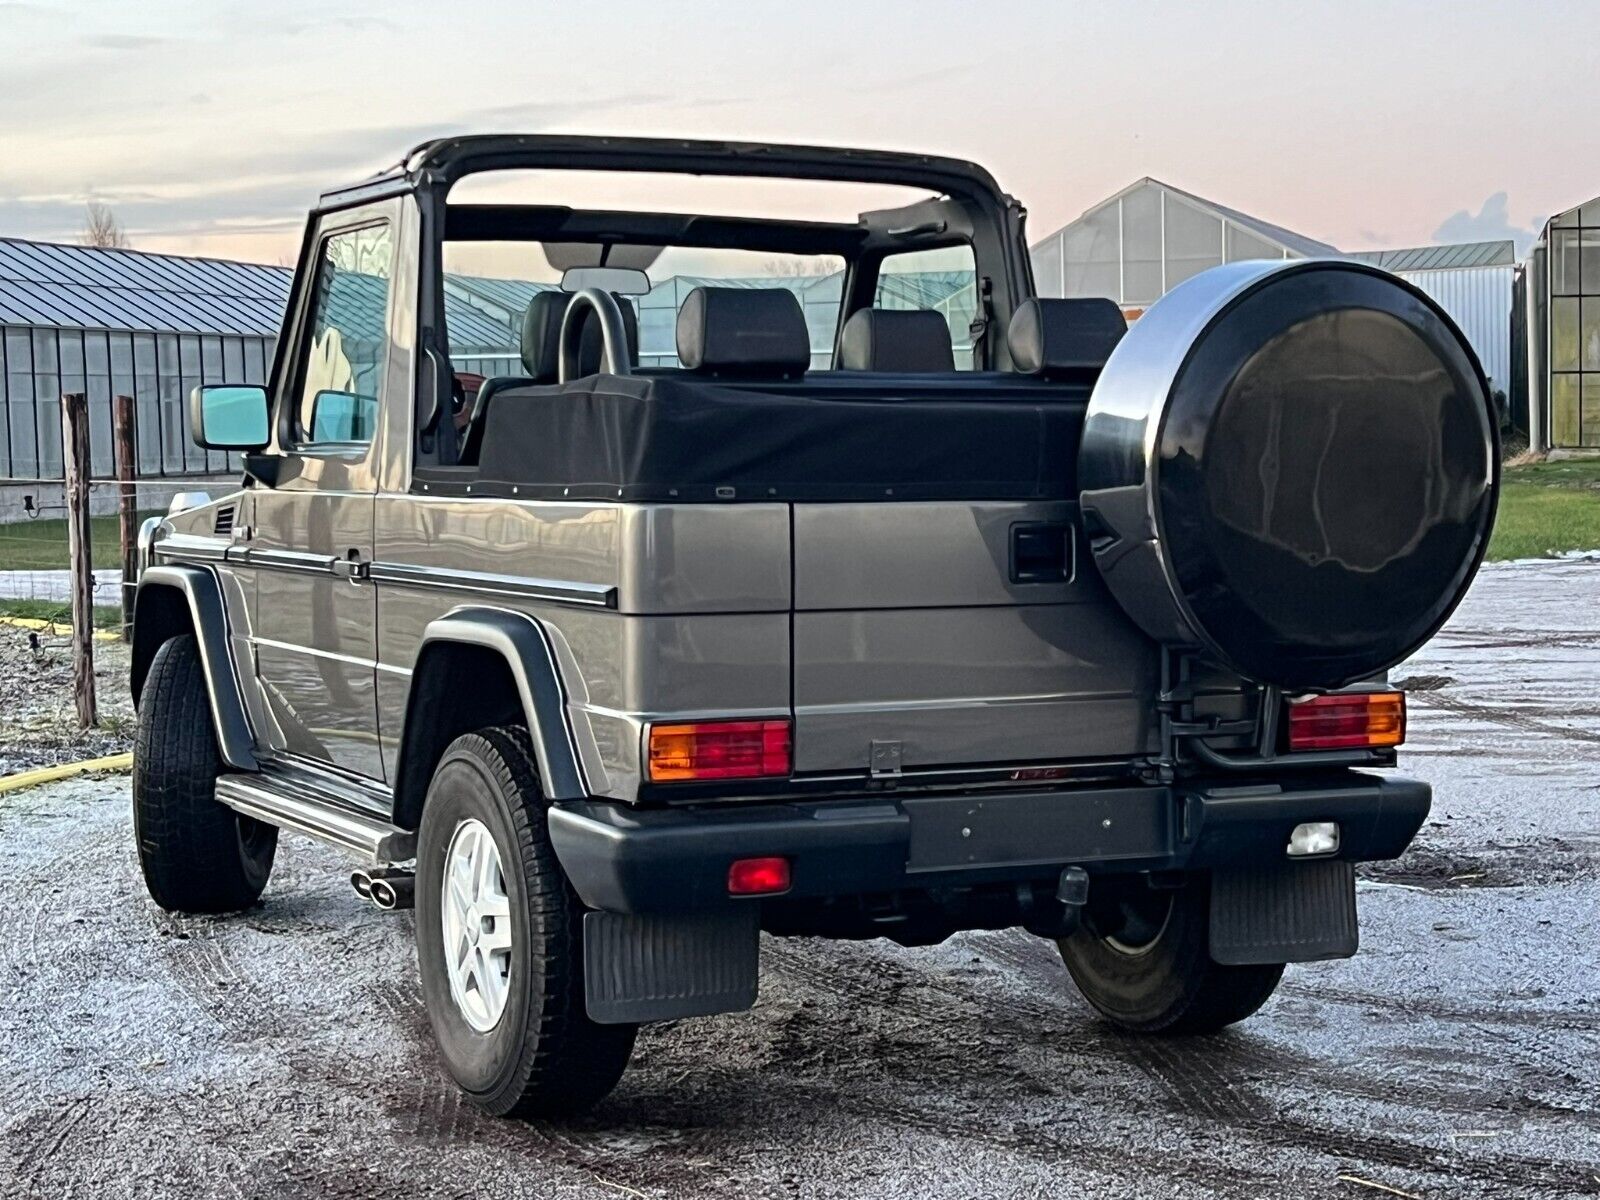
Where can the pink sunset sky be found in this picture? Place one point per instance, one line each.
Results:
(209, 127)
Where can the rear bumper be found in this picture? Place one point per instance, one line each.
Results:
(676, 859)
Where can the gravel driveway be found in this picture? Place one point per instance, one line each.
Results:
(284, 1053)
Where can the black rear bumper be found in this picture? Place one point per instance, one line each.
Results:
(622, 859)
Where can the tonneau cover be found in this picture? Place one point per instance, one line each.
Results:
(845, 436)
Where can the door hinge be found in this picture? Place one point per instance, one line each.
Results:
(885, 762)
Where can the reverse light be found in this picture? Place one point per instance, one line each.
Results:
(1312, 838)
(758, 877)
(719, 750)
(1347, 721)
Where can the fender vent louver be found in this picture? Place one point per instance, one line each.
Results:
(224, 521)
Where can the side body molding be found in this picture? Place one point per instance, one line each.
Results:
(525, 645)
(163, 592)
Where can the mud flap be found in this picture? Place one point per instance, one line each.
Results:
(648, 967)
(1296, 912)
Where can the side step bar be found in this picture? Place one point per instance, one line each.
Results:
(294, 803)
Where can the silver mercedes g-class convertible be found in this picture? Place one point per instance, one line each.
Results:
(801, 576)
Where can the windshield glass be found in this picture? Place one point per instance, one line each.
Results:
(488, 286)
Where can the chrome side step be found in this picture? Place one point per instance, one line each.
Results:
(295, 803)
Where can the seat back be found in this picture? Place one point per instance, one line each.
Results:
(903, 340)
(1064, 339)
(743, 333)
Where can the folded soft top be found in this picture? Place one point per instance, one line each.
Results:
(845, 436)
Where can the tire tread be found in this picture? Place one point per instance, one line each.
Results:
(189, 845)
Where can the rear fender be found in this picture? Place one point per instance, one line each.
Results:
(524, 645)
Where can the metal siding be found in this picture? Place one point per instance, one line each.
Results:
(1479, 300)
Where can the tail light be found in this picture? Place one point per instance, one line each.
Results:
(1347, 721)
(719, 750)
(758, 877)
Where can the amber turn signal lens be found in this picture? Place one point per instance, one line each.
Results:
(719, 750)
(1348, 721)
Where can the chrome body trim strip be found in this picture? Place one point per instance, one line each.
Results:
(558, 591)
(188, 547)
(283, 560)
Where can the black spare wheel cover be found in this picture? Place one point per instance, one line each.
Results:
(1313, 480)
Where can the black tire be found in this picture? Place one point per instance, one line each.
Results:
(1142, 959)
(544, 1057)
(198, 855)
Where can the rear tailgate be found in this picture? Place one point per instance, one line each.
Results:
(917, 626)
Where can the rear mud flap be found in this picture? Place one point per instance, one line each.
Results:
(1297, 912)
(646, 967)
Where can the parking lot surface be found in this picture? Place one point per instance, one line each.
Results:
(285, 1053)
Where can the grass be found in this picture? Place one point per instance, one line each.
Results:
(1547, 508)
(105, 616)
(41, 545)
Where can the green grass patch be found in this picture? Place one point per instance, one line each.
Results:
(1547, 508)
(105, 616)
(41, 545)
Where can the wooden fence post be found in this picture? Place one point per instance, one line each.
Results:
(75, 459)
(122, 434)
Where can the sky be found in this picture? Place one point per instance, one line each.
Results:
(209, 127)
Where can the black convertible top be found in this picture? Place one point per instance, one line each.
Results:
(673, 436)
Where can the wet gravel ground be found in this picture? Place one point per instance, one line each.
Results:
(284, 1053)
(38, 724)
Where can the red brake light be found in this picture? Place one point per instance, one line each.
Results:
(719, 750)
(758, 877)
(1347, 721)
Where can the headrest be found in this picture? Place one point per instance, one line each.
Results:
(743, 331)
(885, 339)
(541, 336)
(1064, 337)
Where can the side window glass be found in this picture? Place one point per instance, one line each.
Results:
(342, 372)
(944, 281)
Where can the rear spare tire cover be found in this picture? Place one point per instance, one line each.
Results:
(1292, 465)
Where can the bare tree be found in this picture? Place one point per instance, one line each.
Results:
(800, 266)
(101, 228)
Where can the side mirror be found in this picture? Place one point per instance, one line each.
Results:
(229, 416)
(343, 416)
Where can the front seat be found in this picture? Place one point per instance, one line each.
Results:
(541, 355)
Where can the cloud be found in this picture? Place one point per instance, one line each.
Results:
(1491, 223)
(123, 41)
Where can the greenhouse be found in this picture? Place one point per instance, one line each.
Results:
(1558, 303)
(1150, 237)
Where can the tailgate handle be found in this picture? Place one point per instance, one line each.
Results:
(1041, 552)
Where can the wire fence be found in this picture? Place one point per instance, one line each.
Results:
(35, 571)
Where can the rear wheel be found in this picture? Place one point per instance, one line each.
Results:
(500, 940)
(1142, 959)
(197, 854)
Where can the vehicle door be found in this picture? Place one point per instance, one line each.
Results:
(311, 542)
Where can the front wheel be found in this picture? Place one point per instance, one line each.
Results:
(1142, 958)
(500, 940)
(198, 855)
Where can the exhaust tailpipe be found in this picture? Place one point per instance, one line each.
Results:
(390, 892)
(388, 888)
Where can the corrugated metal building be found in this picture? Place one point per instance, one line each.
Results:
(1148, 238)
(153, 326)
(109, 322)
(1472, 281)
